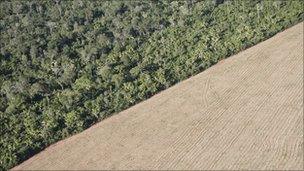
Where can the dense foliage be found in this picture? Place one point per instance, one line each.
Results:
(64, 65)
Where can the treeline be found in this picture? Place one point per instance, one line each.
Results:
(64, 65)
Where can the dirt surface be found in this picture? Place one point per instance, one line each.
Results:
(243, 113)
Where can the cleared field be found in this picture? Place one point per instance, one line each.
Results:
(244, 113)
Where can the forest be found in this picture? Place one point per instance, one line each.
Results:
(65, 65)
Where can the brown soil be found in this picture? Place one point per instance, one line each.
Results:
(243, 113)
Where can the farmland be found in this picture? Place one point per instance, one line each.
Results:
(65, 65)
(244, 113)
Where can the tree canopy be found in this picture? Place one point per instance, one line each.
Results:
(65, 65)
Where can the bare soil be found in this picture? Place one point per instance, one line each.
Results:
(243, 113)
